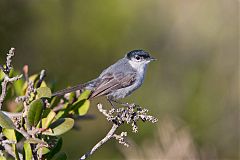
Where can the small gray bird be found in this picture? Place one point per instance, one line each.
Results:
(119, 80)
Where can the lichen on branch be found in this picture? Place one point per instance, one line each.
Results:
(129, 114)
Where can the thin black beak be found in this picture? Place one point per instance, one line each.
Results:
(152, 59)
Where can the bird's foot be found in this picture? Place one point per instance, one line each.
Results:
(121, 103)
(111, 102)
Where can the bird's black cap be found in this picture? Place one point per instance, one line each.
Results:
(139, 52)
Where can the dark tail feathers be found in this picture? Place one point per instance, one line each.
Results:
(89, 85)
(68, 90)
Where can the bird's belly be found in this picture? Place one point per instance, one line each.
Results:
(124, 92)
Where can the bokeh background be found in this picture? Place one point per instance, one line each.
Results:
(194, 83)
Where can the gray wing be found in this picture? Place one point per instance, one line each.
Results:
(112, 82)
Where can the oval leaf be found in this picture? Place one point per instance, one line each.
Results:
(60, 126)
(27, 151)
(54, 101)
(47, 121)
(18, 87)
(45, 150)
(44, 92)
(10, 134)
(64, 111)
(82, 110)
(85, 95)
(2, 158)
(82, 104)
(35, 112)
(72, 97)
(5, 121)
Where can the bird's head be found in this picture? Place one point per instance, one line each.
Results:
(138, 58)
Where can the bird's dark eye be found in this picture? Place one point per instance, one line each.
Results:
(137, 57)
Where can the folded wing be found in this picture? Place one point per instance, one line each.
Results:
(112, 82)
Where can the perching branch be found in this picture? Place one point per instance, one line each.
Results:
(5, 82)
(7, 146)
(100, 143)
(6, 79)
(131, 114)
(6, 69)
(8, 149)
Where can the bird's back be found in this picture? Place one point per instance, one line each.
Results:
(121, 66)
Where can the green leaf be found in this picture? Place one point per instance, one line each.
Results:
(45, 150)
(10, 134)
(16, 151)
(60, 114)
(2, 74)
(18, 87)
(2, 158)
(54, 101)
(72, 97)
(82, 104)
(27, 151)
(48, 120)
(44, 92)
(85, 95)
(64, 111)
(82, 110)
(45, 113)
(35, 112)
(60, 126)
(60, 156)
(43, 84)
(5, 121)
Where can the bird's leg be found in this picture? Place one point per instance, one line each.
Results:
(110, 101)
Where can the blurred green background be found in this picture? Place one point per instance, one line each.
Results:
(195, 80)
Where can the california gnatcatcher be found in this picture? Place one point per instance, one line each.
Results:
(119, 80)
